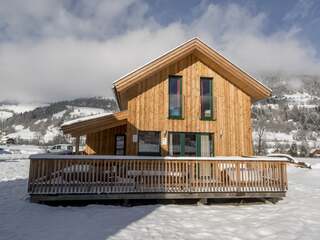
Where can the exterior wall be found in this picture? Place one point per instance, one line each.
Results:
(103, 142)
(147, 104)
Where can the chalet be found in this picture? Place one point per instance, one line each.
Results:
(315, 152)
(183, 130)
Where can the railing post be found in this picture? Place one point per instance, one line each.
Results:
(31, 177)
(238, 176)
(77, 144)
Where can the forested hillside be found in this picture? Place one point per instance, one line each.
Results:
(287, 122)
(42, 124)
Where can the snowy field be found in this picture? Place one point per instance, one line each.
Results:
(295, 217)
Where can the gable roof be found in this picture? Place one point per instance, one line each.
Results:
(216, 61)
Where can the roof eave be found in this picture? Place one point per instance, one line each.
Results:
(116, 95)
(192, 45)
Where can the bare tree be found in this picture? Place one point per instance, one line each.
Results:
(259, 126)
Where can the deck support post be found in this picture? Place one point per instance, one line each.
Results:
(77, 144)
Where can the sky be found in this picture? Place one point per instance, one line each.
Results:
(64, 49)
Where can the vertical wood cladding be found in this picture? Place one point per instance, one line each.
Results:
(103, 142)
(147, 104)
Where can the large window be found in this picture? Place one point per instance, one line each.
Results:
(175, 97)
(149, 143)
(206, 98)
(190, 144)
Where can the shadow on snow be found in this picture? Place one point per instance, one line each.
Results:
(21, 219)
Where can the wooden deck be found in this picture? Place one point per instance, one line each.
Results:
(59, 177)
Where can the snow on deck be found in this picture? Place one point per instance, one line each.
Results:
(117, 157)
(295, 217)
(67, 123)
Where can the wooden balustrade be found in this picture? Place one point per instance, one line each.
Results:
(113, 174)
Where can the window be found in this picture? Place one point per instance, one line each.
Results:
(206, 98)
(190, 144)
(149, 143)
(175, 144)
(205, 148)
(120, 145)
(175, 97)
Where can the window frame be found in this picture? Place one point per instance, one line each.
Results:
(198, 135)
(181, 101)
(149, 153)
(202, 117)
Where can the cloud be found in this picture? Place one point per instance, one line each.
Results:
(61, 50)
(56, 69)
(94, 19)
(301, 10)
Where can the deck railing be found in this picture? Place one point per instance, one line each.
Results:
(58, 174)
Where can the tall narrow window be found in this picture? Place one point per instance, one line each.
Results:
(190, 144)
(120, 145)
(175, 144)
(206, 98)
(175, 97)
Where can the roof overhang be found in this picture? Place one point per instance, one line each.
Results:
(216, 61)
(95, 124)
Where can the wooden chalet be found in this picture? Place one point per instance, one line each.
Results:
(183, 131)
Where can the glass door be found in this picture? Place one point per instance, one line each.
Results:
(190, 144)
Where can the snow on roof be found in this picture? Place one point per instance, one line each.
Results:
(314, 150)
(190, 40)
(68, 123)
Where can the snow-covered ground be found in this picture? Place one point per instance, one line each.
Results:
(295, 217)
(84, 111)
(5, 115)
(273, 138)
(23, 133)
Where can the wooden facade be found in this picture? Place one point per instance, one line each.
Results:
(143, 99)
(147, 104)
(103, 142)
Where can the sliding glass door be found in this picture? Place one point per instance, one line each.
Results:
(190, 144)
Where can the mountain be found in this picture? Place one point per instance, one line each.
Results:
(40, 123)
(287, 122)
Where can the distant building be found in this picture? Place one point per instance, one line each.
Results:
(10, 141)
(315, 152)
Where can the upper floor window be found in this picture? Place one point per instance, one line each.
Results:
(206, 98)
(175, 97)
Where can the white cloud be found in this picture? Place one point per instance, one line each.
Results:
(80, 52)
